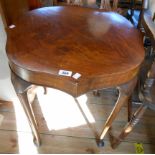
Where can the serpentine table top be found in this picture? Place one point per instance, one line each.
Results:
(102, 47)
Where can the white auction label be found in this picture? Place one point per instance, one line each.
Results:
(65, 73)
(12, 26)
(76, 76)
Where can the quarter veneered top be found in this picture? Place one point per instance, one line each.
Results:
(82, 40)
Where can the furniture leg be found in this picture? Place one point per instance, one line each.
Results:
(31, 93)
(102, 4)
(45, 90)
(129, 108)
(68, 1)
(105, 4)
(130, 125)
(21, 87)
(96, 93)
(124, 94)
(115, 4)
(86, 119)
(55, 2)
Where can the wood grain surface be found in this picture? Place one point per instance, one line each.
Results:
(102, 46)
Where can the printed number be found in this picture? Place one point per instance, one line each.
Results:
(65, 73)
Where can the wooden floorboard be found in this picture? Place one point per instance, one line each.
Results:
(141, 131)
(73, 139)
(10, 143)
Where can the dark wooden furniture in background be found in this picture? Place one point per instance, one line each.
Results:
(147, 76)
(33, 4)
(80, 40)
(11, 10)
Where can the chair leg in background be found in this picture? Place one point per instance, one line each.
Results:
(129, 126)
(129, 108)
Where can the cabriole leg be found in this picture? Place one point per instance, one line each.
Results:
(21, 87)
(125, 92)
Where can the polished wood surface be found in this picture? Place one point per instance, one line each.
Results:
(103, 47)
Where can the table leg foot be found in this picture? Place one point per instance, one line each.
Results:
(100, 143)
(96, 93)
(37, 142)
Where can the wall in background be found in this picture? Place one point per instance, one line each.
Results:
(6, 88)
(152, 6)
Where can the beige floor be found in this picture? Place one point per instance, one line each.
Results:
(63, 128)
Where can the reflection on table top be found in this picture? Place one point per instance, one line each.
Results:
(103, 47)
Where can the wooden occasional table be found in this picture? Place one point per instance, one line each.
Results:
(103, 47)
